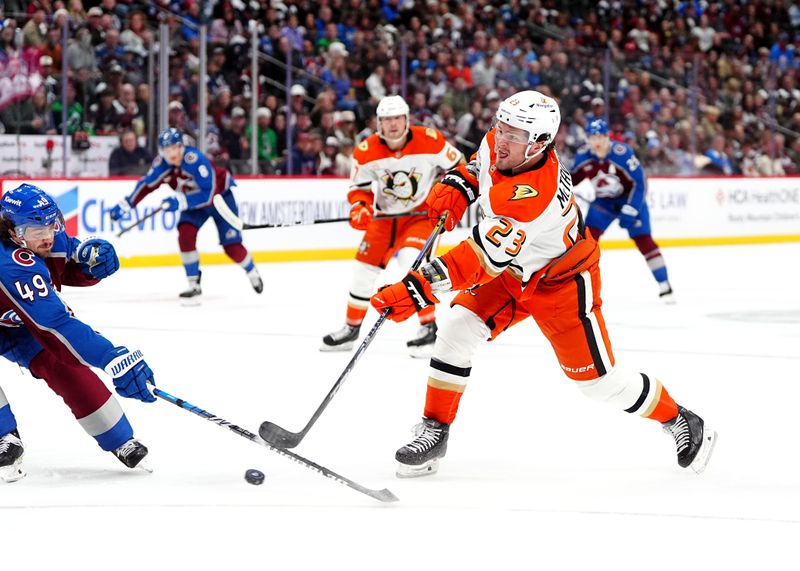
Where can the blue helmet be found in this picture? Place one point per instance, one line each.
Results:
(597, 127)
(28, 205)
(169, 137)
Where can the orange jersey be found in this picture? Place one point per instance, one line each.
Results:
(401, 180)
(529, 219)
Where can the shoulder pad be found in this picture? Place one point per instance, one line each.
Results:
(619, 149)
(190, 157)
(432, 133)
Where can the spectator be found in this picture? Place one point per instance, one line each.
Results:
(327, 158)
(129, 158)
(344, 160)
(720, 161)
(266, 140)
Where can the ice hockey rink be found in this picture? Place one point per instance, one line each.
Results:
(536, 475)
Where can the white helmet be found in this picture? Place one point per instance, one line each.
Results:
(533, 112)
(393, 106)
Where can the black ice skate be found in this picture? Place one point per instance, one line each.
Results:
(421, 456)
(665, 293)
(192, 295)
(255, 280)
(132, 454)
(11, 452)
(693, 439)
(341, 340)
(421, 346)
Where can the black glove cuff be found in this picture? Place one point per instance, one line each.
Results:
(417, 292)
(458, 181)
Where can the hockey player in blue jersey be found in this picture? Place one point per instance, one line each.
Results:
(196, 181)
(620, 189)
(38, 330)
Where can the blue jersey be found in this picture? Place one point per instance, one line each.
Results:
(618, 176)
(196, 177)
(31, 307)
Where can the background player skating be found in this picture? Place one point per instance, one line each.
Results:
(196, 181)
(392, 172)
(529, 256)
(38, 330)
(620, 190)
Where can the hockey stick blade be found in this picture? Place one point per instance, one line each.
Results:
(226, 213)
(283, 438)
(384, 495)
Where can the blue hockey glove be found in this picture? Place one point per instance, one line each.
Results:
(628, 217)
(174, 202)
(97, 258)
(130, 373)
(120, 210)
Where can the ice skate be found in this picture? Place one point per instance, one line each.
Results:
(341, 340)
(421, 456)
(192, 295)
(665, 293)
(693, 439)
(421, 346)
(11, 453)
(255, 280)
(132, 454)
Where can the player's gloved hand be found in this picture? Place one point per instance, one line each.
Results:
(453, 194)
(628, 216)
(175, 202)
(97, 258)
(120, 210)
(130, 373)
(361, 210)
(404, 298)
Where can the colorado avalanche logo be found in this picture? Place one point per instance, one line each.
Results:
(401, 185)
(10, 319)
(23, 257)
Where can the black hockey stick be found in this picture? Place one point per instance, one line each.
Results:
(142, 219)
(231, 218)
(281, 437)
(384, 495)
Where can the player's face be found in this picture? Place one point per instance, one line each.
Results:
(39, 239)
(600, 145)
(510, 144)
(392, 128)
(173, 154)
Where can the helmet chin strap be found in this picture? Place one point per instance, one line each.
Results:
(529, 158)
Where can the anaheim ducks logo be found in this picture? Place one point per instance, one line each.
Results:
(401, 185)
(524, 191)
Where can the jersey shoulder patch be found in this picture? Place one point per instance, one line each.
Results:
(619, 149)
(23, 257)
(190, 157)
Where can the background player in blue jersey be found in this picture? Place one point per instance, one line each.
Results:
(620, 190)
(38, 330)
(196, 181)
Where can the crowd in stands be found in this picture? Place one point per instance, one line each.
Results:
(693, 86)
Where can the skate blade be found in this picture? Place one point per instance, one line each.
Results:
(420, 351)
(190, 301)
(144, 466)
(428, 468)
(706, 448)
(337, 348)
(668, 299)
(12, 473)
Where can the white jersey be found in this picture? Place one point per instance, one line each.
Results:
(401, 179)
(529, 219)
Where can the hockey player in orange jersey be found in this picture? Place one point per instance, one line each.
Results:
(393, 170)
(530, 256)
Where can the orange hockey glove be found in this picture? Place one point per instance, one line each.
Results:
(361, 210)
(456, 191)
(405, 298)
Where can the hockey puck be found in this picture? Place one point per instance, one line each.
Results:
(255, 477)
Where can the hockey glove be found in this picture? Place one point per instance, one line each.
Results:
(454, 193)
(130, 373)
(120, 210)
(175, 202)
(361, 210)
(97, 258)
(628, 217)
(404, 298)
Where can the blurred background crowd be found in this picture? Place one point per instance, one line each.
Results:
(696, 87)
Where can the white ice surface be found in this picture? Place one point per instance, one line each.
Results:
(536, 475)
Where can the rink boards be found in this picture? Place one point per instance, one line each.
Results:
(684, 211)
